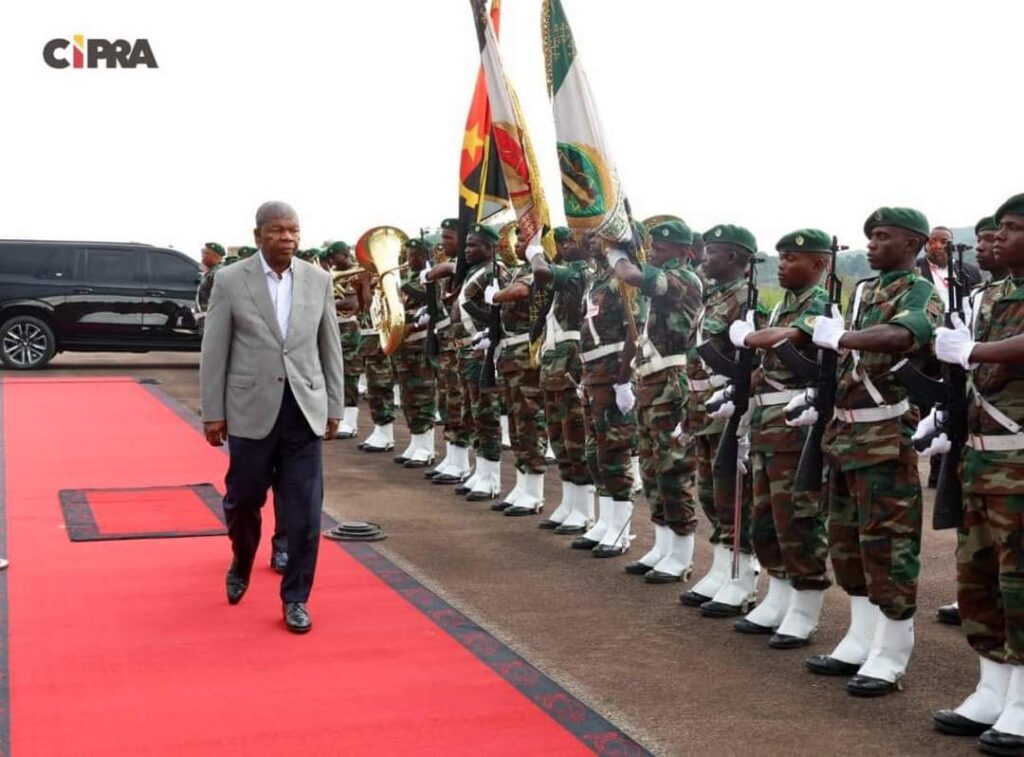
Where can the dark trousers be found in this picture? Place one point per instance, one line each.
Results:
(290, 460)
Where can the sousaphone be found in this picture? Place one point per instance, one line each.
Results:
(379, 251)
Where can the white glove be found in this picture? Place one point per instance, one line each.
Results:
(491, 290)
(720, 405)
(741, 329)
(482, 345)
(680, 437)
(828, 330)
(423, 274)
(955, 345)
(928, 432)
(533, 251)
(800, 410)
(422, 318)
(624, 397)
(743, 454)
(615, 257)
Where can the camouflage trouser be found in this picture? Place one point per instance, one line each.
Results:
(787, 530)
(527, 426)
(990, 575)
(706, 448)
(450, 399)
(380, 386)
(485, 409)
(568, 434)
(725, 509)
(353, 366)
(874, 533)
(415, 377)
(613, 432)
(667, 467)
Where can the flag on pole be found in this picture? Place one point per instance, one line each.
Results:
(591, 191)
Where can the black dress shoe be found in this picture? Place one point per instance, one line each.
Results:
(461, 490)
(565, 530)
(479, 496)
(638, 568)
(824, 665)
(345, 435)
(548, 524)
(518, 511)
(693, 599)
(446, 479)
(715, 609)
(432, 473)
(603, 550)
(500, 506)
(997, 742)
(754, 629)
(373, 449)
(866, 686)
(296, 617)
(658, 577)
(413, 464)
(949, 614)
(236, 586)
(948, 721)
(398, 459)
(279, 562)
(785, 641)
(581, 542)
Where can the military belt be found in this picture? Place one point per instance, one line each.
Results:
(516, 339)
(872, 414)
(441, 325)
(705, 385)
(769, 399)
(658, 364)
(996, 442)
(416, 336)
(600, 352)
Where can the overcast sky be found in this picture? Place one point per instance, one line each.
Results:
(774, 115)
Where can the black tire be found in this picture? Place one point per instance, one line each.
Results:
(26, 343)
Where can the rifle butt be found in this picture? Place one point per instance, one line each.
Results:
(812, 462)
(948, 510)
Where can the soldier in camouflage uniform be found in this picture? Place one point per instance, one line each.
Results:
(989, 542)
(413, 368)
(455, 467)
(787, 529)
(211, 257)
(380, 379)
(524, 399)
(609, 403)
(874, 492)
(667, 460)
(730, 250)
(561, 374)
(347, 307)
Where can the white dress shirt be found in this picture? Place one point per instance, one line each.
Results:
(280, 288)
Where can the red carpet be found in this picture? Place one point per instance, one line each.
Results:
(129, 647)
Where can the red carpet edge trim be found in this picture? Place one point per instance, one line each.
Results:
(5, 670)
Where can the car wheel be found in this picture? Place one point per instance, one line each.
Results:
(26, 342)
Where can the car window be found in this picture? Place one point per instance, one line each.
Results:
(110, 266)
(19, 259)
(57, 263)
(168, 269)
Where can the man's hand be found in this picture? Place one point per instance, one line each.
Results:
(930, 437)
(741, 329)
(624, 397)
(828, 330)
(423, 274)
(800, 411)
(720, 405)
(216, 433)
(332, 429)
(491, 290)
(955, 345)
(743, 454)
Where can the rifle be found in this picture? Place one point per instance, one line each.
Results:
(948, 396)
(431, 347)
(488, 377)
(823, 372)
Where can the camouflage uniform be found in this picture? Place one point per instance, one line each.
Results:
(348, 325)
(380, 381)
(413, 369)
(602, 340)
(874, 498)
(990, 587)
(561, 372)
(450, 397)
(667, 467)
(723, 305)
(482, 411)
(787, 529)
(527, 425)
(205, 287)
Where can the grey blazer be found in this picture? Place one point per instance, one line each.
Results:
(245, 361)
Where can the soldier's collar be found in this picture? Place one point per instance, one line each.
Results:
(890, 277)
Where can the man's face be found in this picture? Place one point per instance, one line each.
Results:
(720, 261)
(209, 258)
(278, 238)
(936, 247)
(569, 249)
(478, 249)
(798, 270)
(450, 240)
(521, 244)
(1008, 245)
(890, 247)
(416, 257)
(986, 255)
(343, 260)
(592, 247)
(662, 252)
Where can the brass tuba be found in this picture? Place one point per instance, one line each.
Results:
(378, 251)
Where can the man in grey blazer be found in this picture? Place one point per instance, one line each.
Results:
(272, 386)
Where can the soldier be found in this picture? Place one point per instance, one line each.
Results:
(989, 546)
(609, 401)
(667, 461)
(308, 255)
(347, 306)
(874, 493)
(211, 257)
(561, 374)
(523, 396)
(413, 369)
(787, 528)
(244, 252)
(455, 467)
(730, 250)
(380, 380)
(469, 319)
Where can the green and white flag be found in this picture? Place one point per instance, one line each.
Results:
(591, 191)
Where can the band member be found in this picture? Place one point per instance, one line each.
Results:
(380, 378)
(346, 303)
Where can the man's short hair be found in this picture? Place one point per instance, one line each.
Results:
(270, 211)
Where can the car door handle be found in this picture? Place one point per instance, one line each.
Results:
(82, 290)
(156, 293)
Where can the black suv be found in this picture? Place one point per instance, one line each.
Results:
(93, 296)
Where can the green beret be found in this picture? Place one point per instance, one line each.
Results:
(727, 233)
(244, 252)
(214, 247)
(988, 223)
(323, 254)
(230, 260)
(452, 224)
(900, 218)
(1014, 205)
(805, 240)
(562, 233)
(673, 232)
(338, 247)
(415, 243)
(486, 232)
